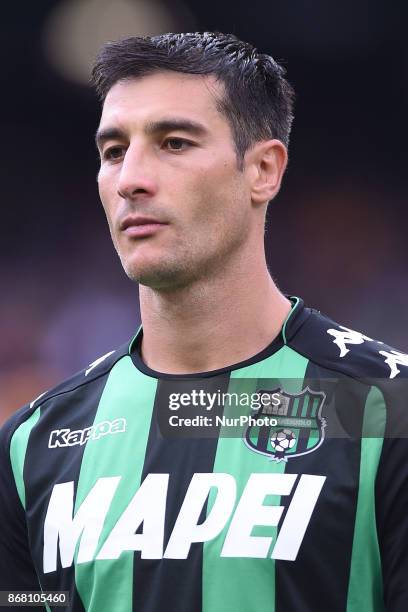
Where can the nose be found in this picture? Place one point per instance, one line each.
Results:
(137, 174)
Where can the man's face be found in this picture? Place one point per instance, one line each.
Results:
(177, 206)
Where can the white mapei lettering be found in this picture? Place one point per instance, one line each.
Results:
(60, 527)
(298, 517)
(187, 530)
(148, 506)
(251, 512)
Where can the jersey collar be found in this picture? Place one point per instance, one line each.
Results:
(296, 317)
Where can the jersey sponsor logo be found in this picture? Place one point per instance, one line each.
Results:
(299, 428)
(141, 526)
(67, 437)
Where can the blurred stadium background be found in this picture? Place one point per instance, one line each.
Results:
(337, 234)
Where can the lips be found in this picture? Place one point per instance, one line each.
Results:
(138, 221)
(138, 226)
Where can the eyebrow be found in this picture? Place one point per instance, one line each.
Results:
(153, 127)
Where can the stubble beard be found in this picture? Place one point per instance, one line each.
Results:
(192, 258)
(187, 267)
(170, 270)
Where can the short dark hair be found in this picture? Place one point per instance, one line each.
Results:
(258, 100)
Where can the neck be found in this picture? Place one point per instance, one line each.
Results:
(212, 324)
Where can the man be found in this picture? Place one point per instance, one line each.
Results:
(144, 482)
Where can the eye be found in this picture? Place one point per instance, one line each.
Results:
(113, 153)
(176, 144)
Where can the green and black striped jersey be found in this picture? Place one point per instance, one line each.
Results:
(279, 483)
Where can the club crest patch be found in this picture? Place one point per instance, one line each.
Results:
(299, 428)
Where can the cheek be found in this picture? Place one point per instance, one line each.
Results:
(103, 184)
(220, 196)
(207, 191)
(106, 194)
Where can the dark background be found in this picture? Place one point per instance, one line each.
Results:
(337, 233)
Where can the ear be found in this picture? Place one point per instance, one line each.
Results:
(266, 163)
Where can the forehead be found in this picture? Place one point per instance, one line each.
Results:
(171, 93)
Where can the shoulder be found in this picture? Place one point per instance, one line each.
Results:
(82, 381)
(347, 351)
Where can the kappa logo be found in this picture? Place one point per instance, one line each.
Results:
(393, 360)
(349, 336)
(67, 437)
(299, 429)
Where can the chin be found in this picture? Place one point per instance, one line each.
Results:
(157, 275)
